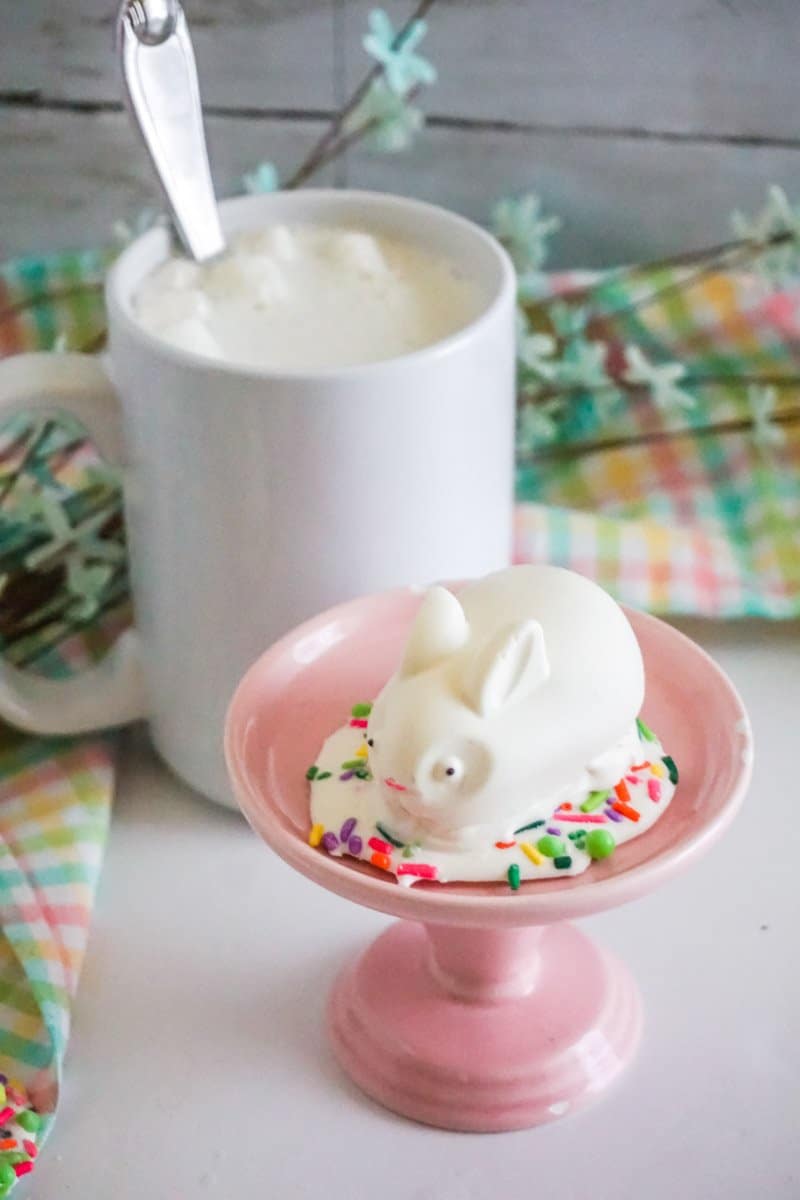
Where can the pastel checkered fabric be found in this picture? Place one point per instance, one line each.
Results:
(703, 523)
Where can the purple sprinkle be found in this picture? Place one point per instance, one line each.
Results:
(347, 775)
(614, 815)
(4, 1080)
(355, 844)
(330, 841)
(347, 829)
(552, 829)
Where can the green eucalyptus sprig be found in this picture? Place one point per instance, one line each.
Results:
(381, 111)
(572, 379)
(62, 552)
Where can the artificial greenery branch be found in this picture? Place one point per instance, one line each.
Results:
(390, 52)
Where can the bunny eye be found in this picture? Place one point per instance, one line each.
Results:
(448, 770)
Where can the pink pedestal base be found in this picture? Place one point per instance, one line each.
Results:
(483, 1030)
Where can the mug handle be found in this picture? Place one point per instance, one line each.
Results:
(112, 693)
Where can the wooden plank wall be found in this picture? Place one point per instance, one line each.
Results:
(642, 123)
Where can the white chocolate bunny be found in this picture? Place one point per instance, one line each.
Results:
(520, 693)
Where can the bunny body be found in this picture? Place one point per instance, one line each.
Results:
(519, 694)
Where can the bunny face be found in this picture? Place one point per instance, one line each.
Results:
(432, 763)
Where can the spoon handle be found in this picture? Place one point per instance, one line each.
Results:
(160, 79)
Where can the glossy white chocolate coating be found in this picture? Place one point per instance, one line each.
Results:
(519, 694)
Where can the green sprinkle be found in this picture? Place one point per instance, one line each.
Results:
(408, 851)
(362, 774)
(669, 763)
(577, 836)
(594, 801)
(563, 862)
(533, 825)
(513, 877)
(323, 775)
(8, 1177)
(312, 772)
(361, 710)
(30, 1121)
(388, 837)
(353, 764)
(551, 846)
(12, 1157)
(2, 1094)
(600, 843)
(645, 731)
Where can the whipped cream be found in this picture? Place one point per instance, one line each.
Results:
(308, 297)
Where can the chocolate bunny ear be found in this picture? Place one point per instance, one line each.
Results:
(511, 666)
(439, 630)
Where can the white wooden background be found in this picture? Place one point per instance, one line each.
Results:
(642, 122)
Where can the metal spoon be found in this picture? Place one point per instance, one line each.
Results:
(160, 80)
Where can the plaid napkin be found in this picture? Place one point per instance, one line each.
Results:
(704, 523)
(55, 793)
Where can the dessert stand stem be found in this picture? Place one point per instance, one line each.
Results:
(484, 965)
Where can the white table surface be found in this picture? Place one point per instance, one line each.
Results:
(198, 1066)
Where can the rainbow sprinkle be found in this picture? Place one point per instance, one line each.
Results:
(19, 1124)
(583, 818)
(422, 870)
(347, 829)
(645, 731)
(384, 832)
(622, 792)
(594, 801)
(669, 763)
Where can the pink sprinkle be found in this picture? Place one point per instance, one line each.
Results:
(5, 1114)
(631, 779)
(592, 818)
(423, 870)
(30, 1148)
(23, 1168)
(381, 847)
(357, 723)
(654, 789)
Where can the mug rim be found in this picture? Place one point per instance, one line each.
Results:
(120, 312)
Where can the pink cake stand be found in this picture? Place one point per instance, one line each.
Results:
(481, 1009)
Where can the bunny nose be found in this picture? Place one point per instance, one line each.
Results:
(394, 785)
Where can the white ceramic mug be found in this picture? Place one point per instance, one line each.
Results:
(256, 498)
